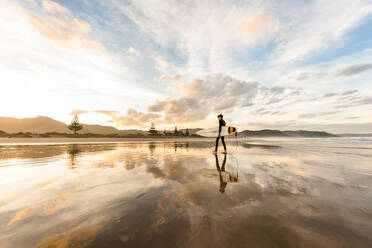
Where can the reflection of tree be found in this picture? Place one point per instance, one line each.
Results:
(152, 147)
(225, 177)
(72, 152)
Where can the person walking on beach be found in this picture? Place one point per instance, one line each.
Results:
(221, 123)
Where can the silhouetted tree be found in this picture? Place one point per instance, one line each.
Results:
(75, 125)
(152, 129)
(175, 130)
(187, 132)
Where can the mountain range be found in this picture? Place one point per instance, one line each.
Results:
(42, 124)
(278, 133)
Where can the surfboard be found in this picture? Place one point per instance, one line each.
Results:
(213, 132)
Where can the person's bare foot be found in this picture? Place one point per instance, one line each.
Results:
(225, 152)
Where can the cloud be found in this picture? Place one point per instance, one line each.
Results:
(161, 64)
(308, 75)
(178, 77)
(306, 116)
(349, 92)
(135, 118)
(131, 118)
(365, 101)
(264, 111)
(354, 70)
(78, 112)
(54, 7)
(329, 95)
(278, 94)
(132, 50)
(257, 23)
(308, 35)
(104, 112)
(56, 23)
(201, 98)
(163, 78)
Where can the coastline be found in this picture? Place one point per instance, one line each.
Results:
(64, 140)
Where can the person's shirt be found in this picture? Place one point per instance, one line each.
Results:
(221, 124)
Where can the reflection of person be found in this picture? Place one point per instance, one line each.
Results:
(221, 123)
(221, 170)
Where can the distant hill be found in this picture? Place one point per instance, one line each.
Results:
(43, 124)
(33, 125)
(355, 135)
(278, 133)
(3, 134)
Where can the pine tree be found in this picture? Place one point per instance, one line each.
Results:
(175, 130)
(152, 129)
(75, 125)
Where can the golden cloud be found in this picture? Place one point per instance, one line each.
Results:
(57, 24)
(253, 25)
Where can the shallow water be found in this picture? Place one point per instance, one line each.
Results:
(267, 193)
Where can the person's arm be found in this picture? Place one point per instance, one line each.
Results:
(219, 128)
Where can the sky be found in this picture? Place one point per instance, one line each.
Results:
(263, 64)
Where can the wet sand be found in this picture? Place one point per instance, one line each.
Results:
(175, 193)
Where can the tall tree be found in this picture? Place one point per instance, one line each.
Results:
(75, 125)
(175, 130)
(152, 129)
(187, 132)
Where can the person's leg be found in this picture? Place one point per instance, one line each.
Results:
(217, 139)
(223, 142)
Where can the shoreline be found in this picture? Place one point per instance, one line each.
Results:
(4, 141)
(52, 141)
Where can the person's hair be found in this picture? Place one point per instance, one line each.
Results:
(220, 115)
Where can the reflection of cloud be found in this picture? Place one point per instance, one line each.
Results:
(354, 70)
(49, 207)
(55, 204)
(20, 215)
(278, 191)
(75, 238)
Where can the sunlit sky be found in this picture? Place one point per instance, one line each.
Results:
(263, 64)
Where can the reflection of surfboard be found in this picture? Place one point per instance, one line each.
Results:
(213, 132)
